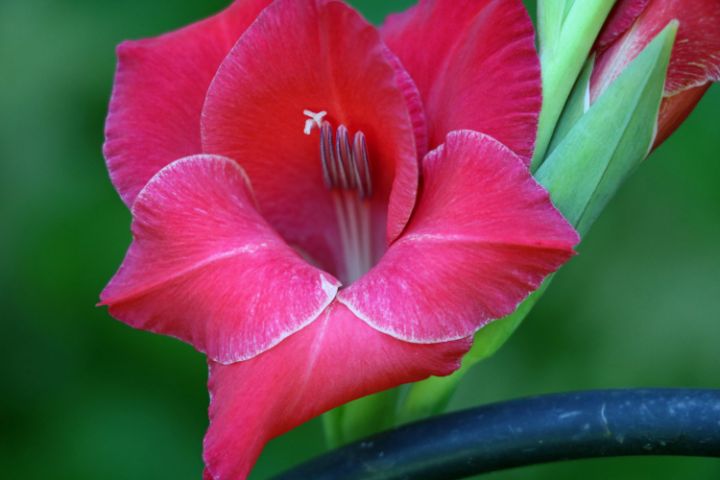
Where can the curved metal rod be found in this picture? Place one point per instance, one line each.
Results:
(548, 428)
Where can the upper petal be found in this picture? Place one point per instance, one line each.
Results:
(160, 86)
(317, 55)
(206, 268)
(336, 359)
(475, 65)
(484, 235)
(414, 101)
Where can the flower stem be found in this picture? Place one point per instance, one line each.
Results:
(360, 418)
(369, 415)
(332, 428)
(431, 396)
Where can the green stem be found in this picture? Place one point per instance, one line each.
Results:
(368, 415)
(360, 418)
(431, 396)
(332, 422)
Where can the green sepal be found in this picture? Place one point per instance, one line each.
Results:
(611, 139)
(551, 18)
(567, 32)
(577, 105)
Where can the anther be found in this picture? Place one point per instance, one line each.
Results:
(345, 165)
(362, 165)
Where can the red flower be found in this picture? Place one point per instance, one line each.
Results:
(271, 159)
(695, 59)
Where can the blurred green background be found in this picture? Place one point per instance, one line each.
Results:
(85, 397)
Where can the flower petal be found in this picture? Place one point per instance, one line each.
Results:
(414, 103)
(475, 65)
(159, 91)
(206, 268)
(675, 109)
(336, 359)
(483, 236)
(316, 55)
(621, 18)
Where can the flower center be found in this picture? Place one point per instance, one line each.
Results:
(346, 173)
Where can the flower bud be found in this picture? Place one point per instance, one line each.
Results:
(695, 59)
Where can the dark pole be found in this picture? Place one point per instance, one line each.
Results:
(605, 423)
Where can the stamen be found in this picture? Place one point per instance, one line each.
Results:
(362, 165)
(327, 158)
(346, 171)
(343, 155)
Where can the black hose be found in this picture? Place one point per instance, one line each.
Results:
(548, 428)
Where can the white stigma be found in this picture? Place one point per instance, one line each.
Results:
(314, 120)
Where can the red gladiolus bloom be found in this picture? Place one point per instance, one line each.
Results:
(695, 58)
(288, 219)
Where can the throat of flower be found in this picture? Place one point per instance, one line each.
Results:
(346, 173)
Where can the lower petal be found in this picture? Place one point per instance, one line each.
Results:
(336, 359)
(483, 236)
(205, 267)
